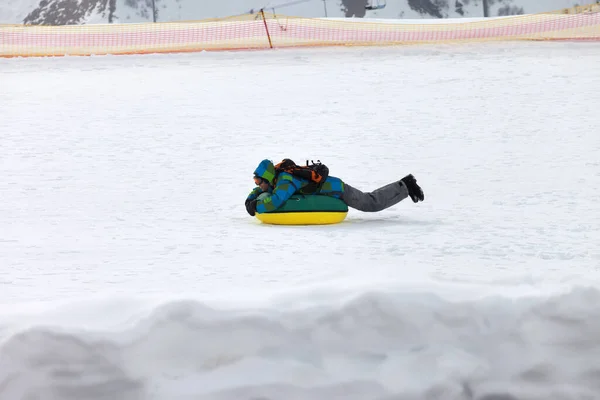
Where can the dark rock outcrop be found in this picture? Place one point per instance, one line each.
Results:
(69, 12)
(76, 12)
(354, 8)
(434, 8)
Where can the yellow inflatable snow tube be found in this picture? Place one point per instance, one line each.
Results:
(307, 210)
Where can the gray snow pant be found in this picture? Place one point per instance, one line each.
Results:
(377, 200)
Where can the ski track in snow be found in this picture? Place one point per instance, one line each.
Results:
(124, 230)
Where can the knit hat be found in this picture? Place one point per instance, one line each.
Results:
(266, 170)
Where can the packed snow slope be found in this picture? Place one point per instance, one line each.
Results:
(60, 12)
(130, 269)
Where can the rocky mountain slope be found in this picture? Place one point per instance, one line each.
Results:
(61, 12)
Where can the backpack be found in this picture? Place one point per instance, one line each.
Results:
(315, 174)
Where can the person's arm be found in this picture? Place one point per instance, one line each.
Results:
(253, 194)
(285, 188)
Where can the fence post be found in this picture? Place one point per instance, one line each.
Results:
(262, 12)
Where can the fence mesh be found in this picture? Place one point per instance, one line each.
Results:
(265, 30)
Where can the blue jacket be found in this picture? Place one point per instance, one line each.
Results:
(284, 185)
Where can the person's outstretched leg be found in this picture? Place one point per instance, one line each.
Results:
(383, 197)
(414, 191)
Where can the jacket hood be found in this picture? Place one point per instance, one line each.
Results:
(266, 170)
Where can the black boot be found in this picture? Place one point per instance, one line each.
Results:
(414, 191)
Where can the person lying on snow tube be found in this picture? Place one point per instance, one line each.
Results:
(281, 186)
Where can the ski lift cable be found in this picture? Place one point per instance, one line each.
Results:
(286, 4)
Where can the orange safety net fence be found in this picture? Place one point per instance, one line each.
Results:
(263, 31)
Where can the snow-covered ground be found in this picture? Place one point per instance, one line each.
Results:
(130, 269)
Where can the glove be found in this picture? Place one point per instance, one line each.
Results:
(251, 207)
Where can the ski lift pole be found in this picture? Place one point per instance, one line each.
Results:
(262, 13)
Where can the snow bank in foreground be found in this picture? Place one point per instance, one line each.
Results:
(369, 346)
